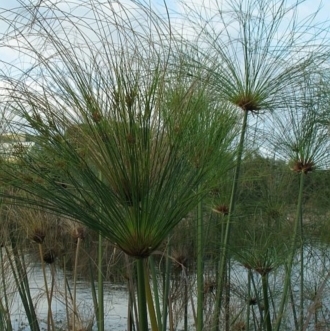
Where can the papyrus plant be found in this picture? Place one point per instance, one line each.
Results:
(257, 53)
(261, 247)
(303, 141)
(111, 148)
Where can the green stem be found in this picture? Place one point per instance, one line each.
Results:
(292, 253)
(2, 317)
(200, 268)
(100, 307)
(93, 287)
(75, 286)
(268, 323)
(141, 294)
(227, 296)
(167, 286)
(294, 314)
(256, 293)
(170, 315)
(185, 321)
(151, 307)
(271, 298)
(52, 287)
(129, 313)
(131, 308)
(155, 291)
(4, 287)
(301, 315)
(18, 268)
(50, 320)
(66, 292)
(247, 326)
(222, 263)
(316, 310)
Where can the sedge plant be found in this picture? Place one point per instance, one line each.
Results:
(111, 149)
(257, 53)
(303, 141)
(261, 248)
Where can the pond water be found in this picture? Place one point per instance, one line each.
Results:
(116, 297)
(115, 304)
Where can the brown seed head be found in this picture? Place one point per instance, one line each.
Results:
(38, 235)
(263, 271)
(209, 286)
(252, 301)
(50, 256)
(96, 116)
(247, 102)
(78, 233)
(301, 166)
(221, 209)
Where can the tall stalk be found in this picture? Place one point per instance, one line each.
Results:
(50, 319)
(258, 302)
(142, 299)
(186, 302)
(293, 306)
(21, 280)
(247, 319)
(155, 291)
(167, 283)
(75, 274)
(200, 267)
(91, 267)
(224, 244)
(301, 308)
(100, 306)
(66, 297)
(264, 280)
(150, 302)
(5, 309)
(292, 253)
(227, 294)
(131, 305)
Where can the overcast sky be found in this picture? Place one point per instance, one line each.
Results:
(7, 9)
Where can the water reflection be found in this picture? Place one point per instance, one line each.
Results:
(115, 303)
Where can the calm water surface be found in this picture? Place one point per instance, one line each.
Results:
(116, 299)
